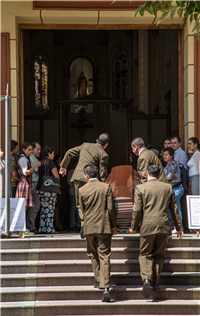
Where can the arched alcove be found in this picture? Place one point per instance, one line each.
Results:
(78, 65)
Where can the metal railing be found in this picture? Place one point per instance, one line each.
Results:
(7, 159)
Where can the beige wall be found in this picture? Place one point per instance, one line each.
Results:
(188, 83)
(14, 12)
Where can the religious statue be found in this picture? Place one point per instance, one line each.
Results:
(82, 87)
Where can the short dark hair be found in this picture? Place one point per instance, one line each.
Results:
(46, 150)
(103, 139)
(178, 139)
(168, 138)
(170, 151)
(90, 170)
(149, 146)
(34, 144)
(14, 144)
(154, 171)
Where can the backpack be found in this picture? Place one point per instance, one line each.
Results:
(184, 178)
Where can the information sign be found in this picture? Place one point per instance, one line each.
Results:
(17, 214)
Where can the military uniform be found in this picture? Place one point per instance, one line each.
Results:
(88, 153)
(99, 216)
(146, 159)
(152, 201)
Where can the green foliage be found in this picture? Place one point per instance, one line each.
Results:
(186, 10)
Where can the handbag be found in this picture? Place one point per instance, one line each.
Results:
(49, 183)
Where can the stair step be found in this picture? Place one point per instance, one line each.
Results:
(45, 293)
(76, 242)
(122, 265)
(80, 253)
(87, 307)
(87, 278)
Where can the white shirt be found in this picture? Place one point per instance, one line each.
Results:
(141, 151)
(23, 162)
(93, 179)
(193, 164)
(152, 178)
(180, 156)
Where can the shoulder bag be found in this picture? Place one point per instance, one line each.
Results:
(49, 183)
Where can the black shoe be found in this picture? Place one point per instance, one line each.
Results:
(97, 285)
(81, 233)
(106, 295)
(35, 231)
(146, 288)
(155, 286)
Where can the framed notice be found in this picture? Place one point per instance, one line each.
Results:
(193, 211)
(17, 214)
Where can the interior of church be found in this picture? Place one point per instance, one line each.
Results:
(78, 84)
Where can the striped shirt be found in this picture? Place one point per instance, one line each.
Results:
(35, 175)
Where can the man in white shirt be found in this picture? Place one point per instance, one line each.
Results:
(31, 212)
(180, 155)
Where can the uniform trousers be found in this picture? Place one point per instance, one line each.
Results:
(77, 185)
(99, 251)
(152, 256)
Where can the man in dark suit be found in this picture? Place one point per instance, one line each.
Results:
(88, 154)
(99, 217)
(146, 158)
(152, 201)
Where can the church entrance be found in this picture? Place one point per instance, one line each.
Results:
(80, 83)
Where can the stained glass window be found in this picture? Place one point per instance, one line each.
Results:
(37, 84)
(41, 84)
(44, 86)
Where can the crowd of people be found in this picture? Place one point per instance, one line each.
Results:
(27, 171)
(29, 168)
(181, 170)
(159, 201)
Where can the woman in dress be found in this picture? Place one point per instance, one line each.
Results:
(173, 175)
(193, 164)
(47, 199)
(24, 187)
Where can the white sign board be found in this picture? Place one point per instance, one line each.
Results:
(17, 215)
(193, 211)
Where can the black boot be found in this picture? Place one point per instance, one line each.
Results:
(146, 288)
(155, 286)
(97, 285)
(106, 295)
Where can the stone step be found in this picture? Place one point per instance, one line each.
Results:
(93, 307)
(87, 278)
(45, 293)
(80, 253)
(76, 242)
(122, 265)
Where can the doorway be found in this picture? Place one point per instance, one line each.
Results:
(112, 65)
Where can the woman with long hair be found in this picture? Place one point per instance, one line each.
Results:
(193, 164)
(47, 199)
(24, 187)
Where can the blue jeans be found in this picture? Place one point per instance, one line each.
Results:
(178, 191)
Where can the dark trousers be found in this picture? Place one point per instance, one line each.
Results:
(184, 213)
(99, 251)
(152, 256)
(77, 186)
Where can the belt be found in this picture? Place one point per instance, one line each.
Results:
(176, 185)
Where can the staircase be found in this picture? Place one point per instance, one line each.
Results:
(43, 276)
